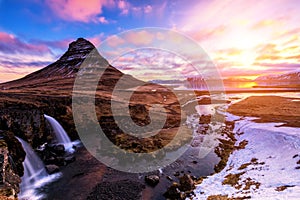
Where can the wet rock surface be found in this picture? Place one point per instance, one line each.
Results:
(11, 168)
(152, 180)
(182, 189)
(55, 154)
(51, 169)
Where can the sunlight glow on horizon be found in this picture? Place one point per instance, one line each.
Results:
(244, 39)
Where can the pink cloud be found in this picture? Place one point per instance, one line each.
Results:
(10, 44)
(127, 8)
(97, 39)
(208, 33)
(114, 41)
(18, 57)
(148, 9)
(124, 6)
(78, 10)
(140, 37)
(103, 20)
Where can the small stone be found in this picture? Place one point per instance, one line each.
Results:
(295, 156)
(51, 169)
(152, 180)
(70, 159)
(59, 149)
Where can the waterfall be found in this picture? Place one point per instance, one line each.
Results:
(35, 174)
(34, 168)
(60, 134)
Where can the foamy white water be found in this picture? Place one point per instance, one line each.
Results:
(60, 133)
(35, 174)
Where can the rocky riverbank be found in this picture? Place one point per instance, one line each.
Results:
(12, 156)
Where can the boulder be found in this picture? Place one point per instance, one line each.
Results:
(174, 192)
(186, 183)
(59, 149)
(152, 180)
(51, 169)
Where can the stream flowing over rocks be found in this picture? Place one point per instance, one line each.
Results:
(38, 109)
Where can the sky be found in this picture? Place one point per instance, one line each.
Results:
(245, 39)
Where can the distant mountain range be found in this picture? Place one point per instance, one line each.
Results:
(286, 77)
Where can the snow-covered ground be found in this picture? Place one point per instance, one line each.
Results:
(269, 165)
(268, 162)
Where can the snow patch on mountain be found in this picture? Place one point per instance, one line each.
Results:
(291, 76)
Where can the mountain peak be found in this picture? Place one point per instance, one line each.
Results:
(67, 67)
(77, 51)
(80, 44)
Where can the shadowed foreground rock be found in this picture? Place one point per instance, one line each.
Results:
(11, 168)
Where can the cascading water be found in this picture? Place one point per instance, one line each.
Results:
(60, 134)
(34, 168)
(35, 174)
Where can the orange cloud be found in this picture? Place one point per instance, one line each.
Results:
(263, 24)
(291, 32)
(78, 10)
(230, 52)
(267, 49)
(269, 22)
(268, 57)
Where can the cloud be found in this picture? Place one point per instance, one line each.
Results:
(103, 20)
(291, 32)
(96, 39)
(266, 23)
(230, 52)
(138, 11)
(57, 44)
(140, 37)
(148, 9)
(124, 6)
(150, 64)
(280, 67)
(207, 33)
(78, 10)
(114, 41)
(18, 58)
(10, 44)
